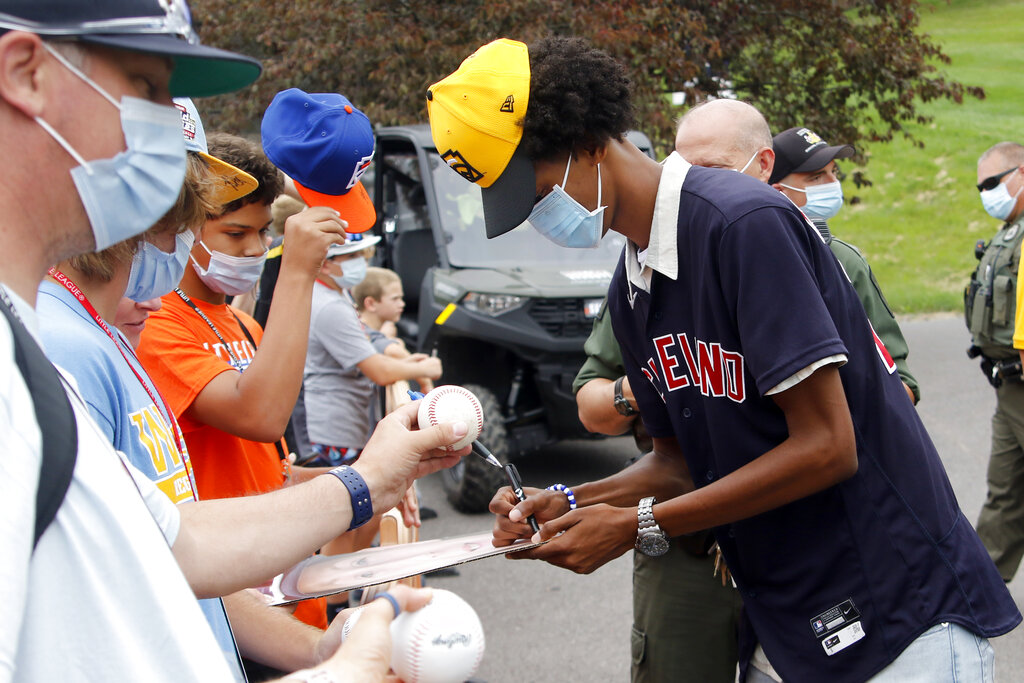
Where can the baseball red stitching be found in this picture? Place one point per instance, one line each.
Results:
(437, 393)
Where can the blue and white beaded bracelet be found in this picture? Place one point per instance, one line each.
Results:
(568, 493)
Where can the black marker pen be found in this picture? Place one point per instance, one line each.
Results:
(517, 488)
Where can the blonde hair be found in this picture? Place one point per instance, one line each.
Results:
(283, 208)
(189, 211)
(373, 285)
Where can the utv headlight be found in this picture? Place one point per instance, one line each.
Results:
(493, 304)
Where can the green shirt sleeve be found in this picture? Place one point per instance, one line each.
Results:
(604, 359)
(875, 305)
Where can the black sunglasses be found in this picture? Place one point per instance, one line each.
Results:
(993, 180)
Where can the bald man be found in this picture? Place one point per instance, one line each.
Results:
(734, 134)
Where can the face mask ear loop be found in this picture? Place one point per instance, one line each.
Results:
(1019, 188)
(78, 72)
(750, 161)
(64, 143)
(598, 187)
(795, 189)
(565, 178)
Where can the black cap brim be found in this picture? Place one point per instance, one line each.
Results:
(199, 70)
(819, 159)
(509, 200)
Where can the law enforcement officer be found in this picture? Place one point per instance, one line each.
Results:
(989, 308)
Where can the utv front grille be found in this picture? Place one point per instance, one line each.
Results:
(561, 317)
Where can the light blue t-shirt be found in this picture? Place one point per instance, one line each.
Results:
(124, 410)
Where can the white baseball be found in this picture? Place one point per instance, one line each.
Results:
(450, 403)
(442, 642)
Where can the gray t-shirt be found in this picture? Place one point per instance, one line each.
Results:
(338, 395)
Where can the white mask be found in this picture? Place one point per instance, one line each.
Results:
(231, 275)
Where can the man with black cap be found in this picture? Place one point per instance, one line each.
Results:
(776, 420)
(105, 587)
(805, 171)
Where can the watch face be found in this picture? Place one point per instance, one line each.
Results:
(623, 408)
(653, 544)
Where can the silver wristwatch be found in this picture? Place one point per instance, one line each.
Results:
(650, 539)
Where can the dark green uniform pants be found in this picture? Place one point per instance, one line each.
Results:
(1001, 522)
(684, 620)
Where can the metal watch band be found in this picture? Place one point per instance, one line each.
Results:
(645, 515)
(362, 507)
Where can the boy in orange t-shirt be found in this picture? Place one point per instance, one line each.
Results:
(233, 402)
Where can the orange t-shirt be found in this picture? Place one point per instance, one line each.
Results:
(182, 355)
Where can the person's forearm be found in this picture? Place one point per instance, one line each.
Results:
(596, 404)
(661, 473)
(228, 544)
(270, 385)
(819, 452)
(383, 370)
(271, 635)
(233, 543)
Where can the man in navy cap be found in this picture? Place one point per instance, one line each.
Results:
(105, 587)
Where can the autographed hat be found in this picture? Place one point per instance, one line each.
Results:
(324, 144)
(159, 27)
(235, 182)
(801, 150)
(476, 117)
(354, 242)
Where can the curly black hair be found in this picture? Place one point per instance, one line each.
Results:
(249, 157)
(579, 95)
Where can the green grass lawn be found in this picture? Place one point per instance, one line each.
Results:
(918, 223)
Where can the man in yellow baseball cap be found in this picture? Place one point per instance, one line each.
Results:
(777, 421)
(476, 118)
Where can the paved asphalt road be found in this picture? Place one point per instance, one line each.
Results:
(546, 624)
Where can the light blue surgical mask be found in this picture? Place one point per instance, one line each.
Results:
(998, 203)
(823, 201)
(353, 272)
(155, 272)
(565, 221)
(126, 195)
(231, 275)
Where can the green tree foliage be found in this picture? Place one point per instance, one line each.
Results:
(853, 70)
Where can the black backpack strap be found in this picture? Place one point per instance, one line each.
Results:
(56, 422)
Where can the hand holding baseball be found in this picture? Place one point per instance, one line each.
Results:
(365, 656)
(451, 403)
(397, 454)
(441, 643)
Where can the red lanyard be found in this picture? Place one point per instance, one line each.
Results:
(87, 305)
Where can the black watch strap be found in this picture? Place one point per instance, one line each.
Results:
(621, 404)
(362, 507)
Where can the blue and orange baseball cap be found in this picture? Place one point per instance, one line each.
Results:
(476, 120)
(325, 145)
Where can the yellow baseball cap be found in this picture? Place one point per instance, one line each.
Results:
(476, 120)
(234, 183)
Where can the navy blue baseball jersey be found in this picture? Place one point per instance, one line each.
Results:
(743, 296)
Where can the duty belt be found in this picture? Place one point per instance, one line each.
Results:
(997, 371)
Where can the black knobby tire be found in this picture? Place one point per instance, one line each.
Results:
(471, 484)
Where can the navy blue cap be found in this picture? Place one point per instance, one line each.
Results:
(159, 27)
(324, 144)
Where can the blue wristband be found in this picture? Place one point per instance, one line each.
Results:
(362, 507)
(390, 598)
(568, 493)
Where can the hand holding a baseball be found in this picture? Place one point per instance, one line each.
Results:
(366, 655)
(401, 451)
